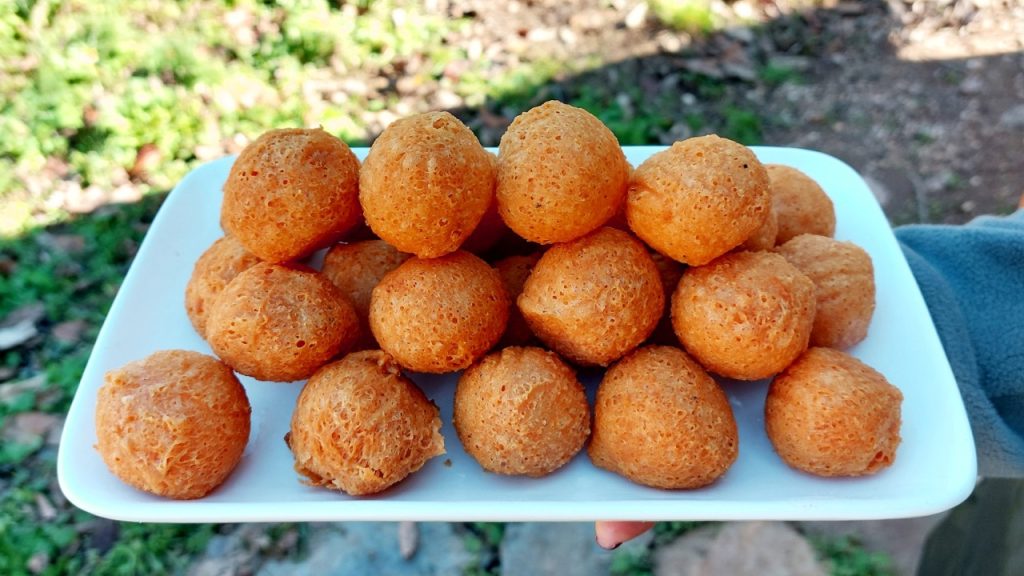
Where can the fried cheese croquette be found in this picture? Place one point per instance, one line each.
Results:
(441, 314)
(514, 271)
(801, 206)
(356, 269)
(217, 266)
(561, 174)
(521, 411)
(425, 184)
(698, 199)
(174, 424)
(291, 192)
(662, 421)
(747, 315)
(830, 414)
(844, 287)
(670, 272)
(594, 299)
(280, 323)
(360, 426)
(764, 237)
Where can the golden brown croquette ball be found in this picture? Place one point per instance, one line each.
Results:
(221, 262)
(425, 184)
(844, 287)
(291, 192)
(174, 424)
(832, 415)
(594, 299)
(521, 411)
(764, 237)
(280, 323)
(356, 269)
(661, 421)
(360, 426)
(670, 272)
(747, 315)
(698, 199)
(514, 271)
(561, 174)
(441, 314)
(801, 206)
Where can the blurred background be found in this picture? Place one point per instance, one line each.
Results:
(104, 106)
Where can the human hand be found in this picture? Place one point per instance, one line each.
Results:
(610, 535)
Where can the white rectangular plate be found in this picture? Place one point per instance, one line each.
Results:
(935, 466)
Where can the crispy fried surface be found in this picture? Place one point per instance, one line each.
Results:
(660, 420)
(698, 199)
(832, 415)
(801, 206)
(218, 265)
(426, 184)
(514, 271)
(561, 174)
(439, 315)
(356, 269)
(280, 323)
(594, 299)
(746, 315)
(360, 426)
(844, 287)
(521, 411)
(290, 193)
(174, 424)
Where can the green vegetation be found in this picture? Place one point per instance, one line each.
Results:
(776, 75)
(129, 95)
(693, 16)
(483, 540)
(846, 557)
(631, 563)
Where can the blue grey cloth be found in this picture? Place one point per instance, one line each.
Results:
(972, 278)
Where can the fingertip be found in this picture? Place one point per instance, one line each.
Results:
(611, 535)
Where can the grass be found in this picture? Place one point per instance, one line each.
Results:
(847, 557)
(693, 16)
(483, 540)
(131, 94)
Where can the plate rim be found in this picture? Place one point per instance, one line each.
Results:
(381, 508)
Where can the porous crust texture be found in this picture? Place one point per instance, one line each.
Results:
(174, 424)
(561, 174)
(291, 192)
(356, 269)
(670, 272)
(280, 323)
(764, 237)
(801, 206)
(218, 265)
(441, 314)
(662, 421)
(594, 299)
(844, 287)
(521, 411)
(360, 426)
(698, 199)
(830, 414)
(514, 271)
(747, 315)
(426, 183)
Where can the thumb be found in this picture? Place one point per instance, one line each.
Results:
(610, 535)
